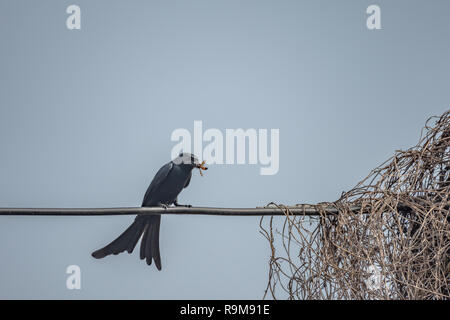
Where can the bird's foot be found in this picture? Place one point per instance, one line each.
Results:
(163, 205)
(176, 204)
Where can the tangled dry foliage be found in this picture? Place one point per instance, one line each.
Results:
(389, 240)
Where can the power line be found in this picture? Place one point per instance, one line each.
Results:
(307, 210)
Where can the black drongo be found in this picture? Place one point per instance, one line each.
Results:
(168, 182)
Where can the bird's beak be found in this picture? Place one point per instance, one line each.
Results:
(201, 166)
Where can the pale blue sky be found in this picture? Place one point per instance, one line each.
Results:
(86, 118)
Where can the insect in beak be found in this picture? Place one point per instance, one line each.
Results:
(201, 166)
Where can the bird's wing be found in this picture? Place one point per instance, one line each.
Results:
(188, 180)
(159, 178)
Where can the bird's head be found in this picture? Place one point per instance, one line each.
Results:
(189, 161)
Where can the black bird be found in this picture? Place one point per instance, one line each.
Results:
(163, 191)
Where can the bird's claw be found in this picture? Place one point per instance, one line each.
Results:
(182, 205)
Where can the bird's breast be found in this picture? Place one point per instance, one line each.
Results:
(172, 186)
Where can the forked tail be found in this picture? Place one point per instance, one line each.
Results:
(147, 225)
